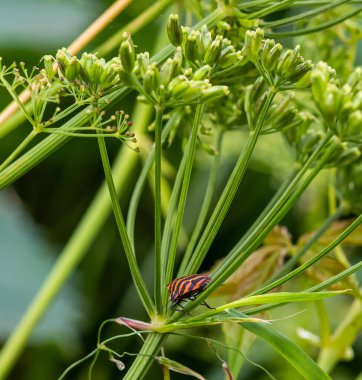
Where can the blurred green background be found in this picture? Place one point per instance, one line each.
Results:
(41, 210)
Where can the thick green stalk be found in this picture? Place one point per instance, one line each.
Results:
(228, 194)
(72, 253)
(190, 154)
(131, 257)
(145, 358)
(210, 187)
(158, 212)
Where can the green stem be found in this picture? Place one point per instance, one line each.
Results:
(296, 272)
(158, 212)
(142, 178)
(19, 149)
(205, 205)
(273, 8)
(304, 15)
(145, 359)
(190, 154)
(318, 28)
(131, 258)
(228, 194)
(246, 247)
(72, 253)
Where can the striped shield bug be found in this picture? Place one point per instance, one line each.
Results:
(187, 288)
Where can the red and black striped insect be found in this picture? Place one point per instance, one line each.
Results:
(187, 288)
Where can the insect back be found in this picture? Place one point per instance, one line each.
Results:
(187, 288)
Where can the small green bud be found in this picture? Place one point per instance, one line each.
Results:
(72, 69)
(272, 58)
(357, 101)
(300, 71)
(124, 76)
(109, 75)
(214, 92)
(349, 156)
(174, 30)
(305, 81)
(266, 48)
(284, 62)
(87, 61)
(310, 140)
(256, 41)
(96, 71)
(152, 80)
(256, 90)
(202, 73)
(185, 34)
(191, 48)
(167, 71)
(205, 36)
(191, 94)
(213, 52)
(354, 123)
(320, 80)
(126, 53)
(259, 105)
(143, 60)
(48, 66)
(62, 60)
(178, 86)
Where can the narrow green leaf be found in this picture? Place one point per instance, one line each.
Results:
(286, 347)
(177, 367)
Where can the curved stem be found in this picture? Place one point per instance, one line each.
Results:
(205, 205)
(158, 212)
(19, 149)
(228, 194)
(190, 154)
(131, 258)
(141, 181)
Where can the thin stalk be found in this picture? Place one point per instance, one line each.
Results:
(326, 224)
(246, 247)
(210, 187)
(296, 272)
(159, 262)
(135, 272)
(190, 154)
(15, 153)
(142, 178)
(145, 358)
(228, 194)
(318, 28)
(304, 15)
(273, 8)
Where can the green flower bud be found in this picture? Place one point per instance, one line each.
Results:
(300, 71)
(332, 103)
(143, 60)
(178, 86)
(256, 90)
(320, 81)
(259, 105)
(191, 94)
(256, 41)
(62, 60)
(127, 54)
(168, 71)
(152, 80)
(213, 52)
(202, 73)
(205, 36)
(354, 124)
(266, 48)
(310, 140)
(174, 30)
(96, 71)
(357, 101)
(214, 92)
(349, 156)
(305, 81)
(272, 58)
(87, 61)
(124, 76)
(284, 62)
(48, 66)
(109, 75)
(191, 48)
(72, 70)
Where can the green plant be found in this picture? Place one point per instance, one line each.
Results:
(225, 72)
